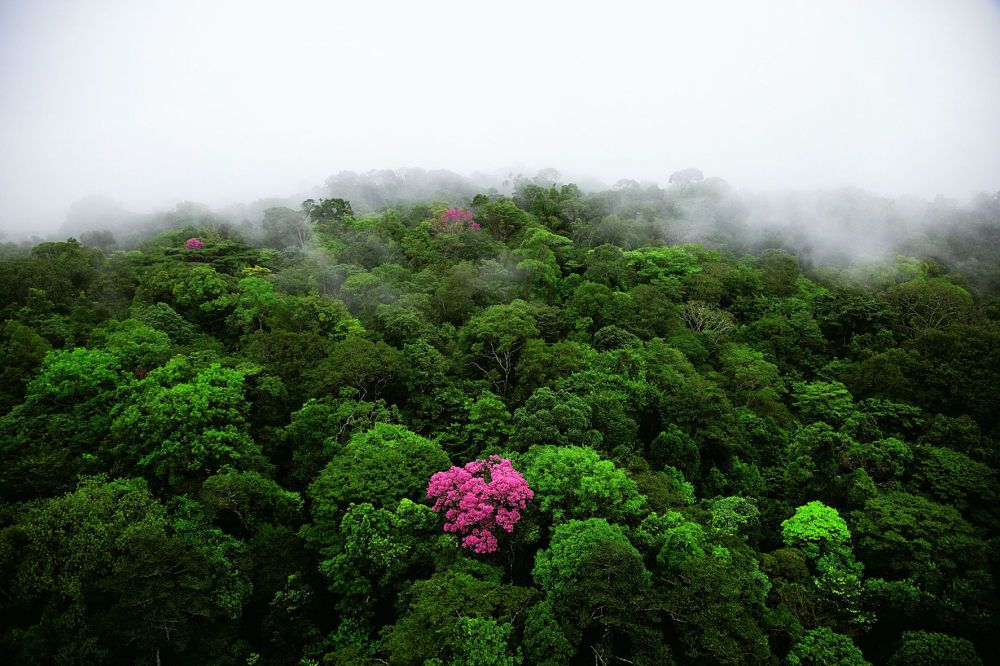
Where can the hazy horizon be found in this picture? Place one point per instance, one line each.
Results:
(149, 104)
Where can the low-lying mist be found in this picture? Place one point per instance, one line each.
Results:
(834, 227)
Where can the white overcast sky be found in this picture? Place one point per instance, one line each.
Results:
(151, 102)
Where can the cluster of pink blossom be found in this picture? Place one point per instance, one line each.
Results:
(478, 498)
(475, 226)
(458, 215)
(194, 244)
(453, 220)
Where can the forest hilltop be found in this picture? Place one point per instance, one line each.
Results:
(415, 422)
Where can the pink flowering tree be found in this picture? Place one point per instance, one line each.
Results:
(478, 498)
(453, 220)
(194, 244)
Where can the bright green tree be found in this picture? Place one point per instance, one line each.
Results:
(573, 482)
(816, 529)
(175, 431)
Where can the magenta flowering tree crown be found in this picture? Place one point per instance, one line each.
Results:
(194, 244)
(453, 220)
(478, 498)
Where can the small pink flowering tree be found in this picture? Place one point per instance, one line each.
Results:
(478, 498)
(452, 220)
(194, 244)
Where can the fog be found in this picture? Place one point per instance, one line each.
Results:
(112, 108)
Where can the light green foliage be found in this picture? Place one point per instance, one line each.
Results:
(188, 429)
(541, 244)
(822, 647)
(137, 345)
(556, 567)
(816, 529)
(573, 482)
(71, 377)
(926, 648)
(64, 419)
(662, 267)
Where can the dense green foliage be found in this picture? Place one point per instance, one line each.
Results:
(740, 452)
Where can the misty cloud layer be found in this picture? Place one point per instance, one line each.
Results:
(147, 104)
